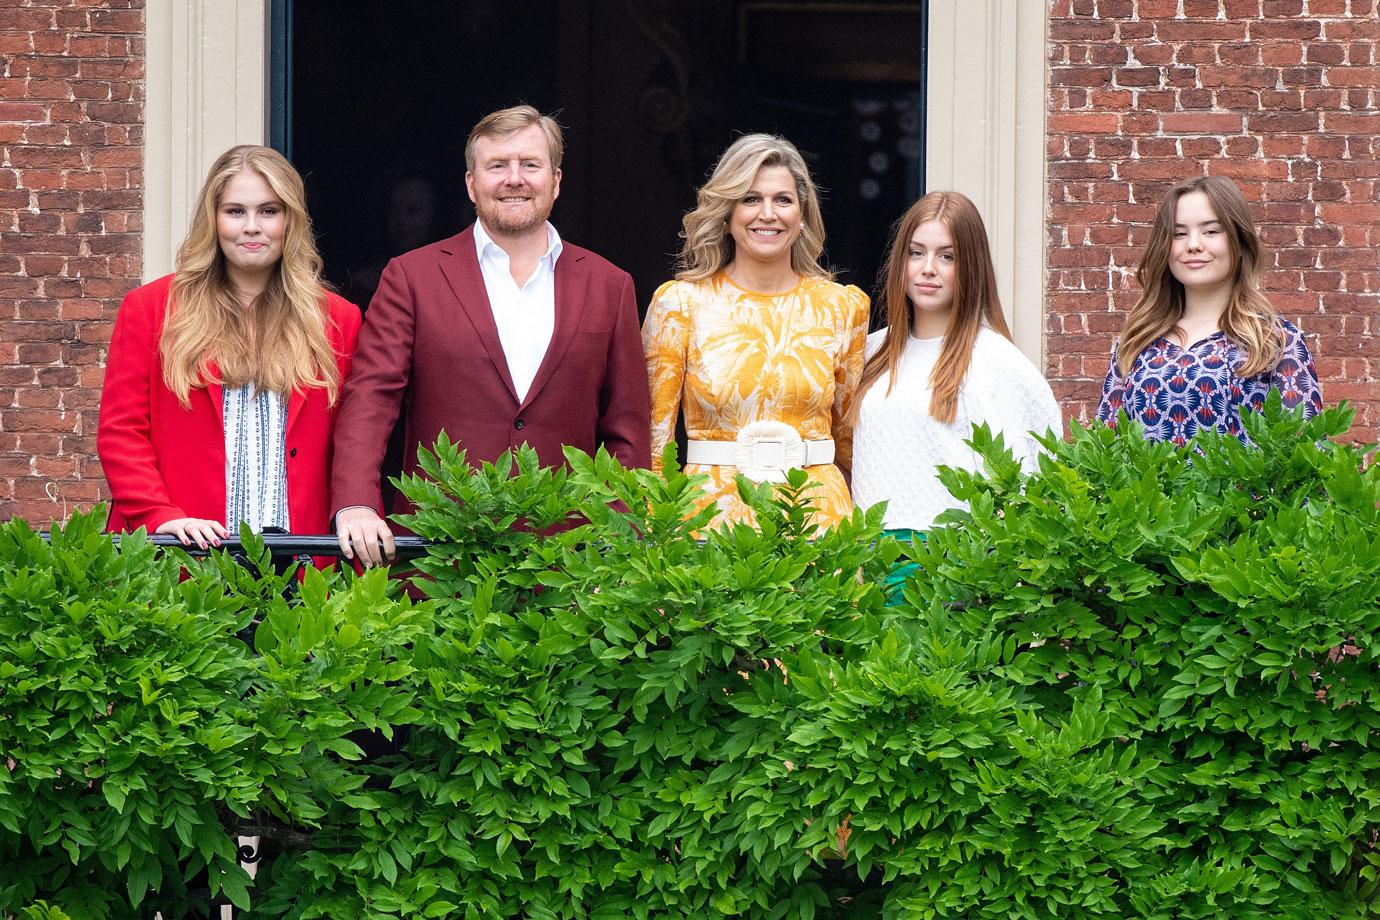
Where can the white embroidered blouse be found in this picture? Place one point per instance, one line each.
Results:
(255, 461)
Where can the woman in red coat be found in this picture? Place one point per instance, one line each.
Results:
(223, 379)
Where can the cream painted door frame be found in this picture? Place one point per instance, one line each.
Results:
(206, 66)
(985, 137)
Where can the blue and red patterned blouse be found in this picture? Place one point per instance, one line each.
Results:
(1175, 392)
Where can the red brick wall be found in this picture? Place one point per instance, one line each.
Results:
(1283, 96)
(71, 210)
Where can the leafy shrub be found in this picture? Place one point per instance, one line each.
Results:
(137, 728)
(616, 720)
(1224, 603)
(1100, 699)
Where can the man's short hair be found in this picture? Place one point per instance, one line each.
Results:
(510, 120)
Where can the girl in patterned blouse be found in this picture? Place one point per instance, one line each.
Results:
(1203, 341)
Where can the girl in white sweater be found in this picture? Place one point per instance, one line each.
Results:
(944, 363)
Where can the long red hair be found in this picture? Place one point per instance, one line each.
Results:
(975, 300)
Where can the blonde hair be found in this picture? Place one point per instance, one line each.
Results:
(1249, 319)
(975, 302)
(708, 246)
(510, 121)
(279, 344)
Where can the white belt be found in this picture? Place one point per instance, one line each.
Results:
(762, 452)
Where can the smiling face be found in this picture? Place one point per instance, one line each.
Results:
(513, 184)
(1200, 255)
(250, 224)
(930, 276)
(766, 222)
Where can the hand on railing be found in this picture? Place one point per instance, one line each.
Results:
(361, 532)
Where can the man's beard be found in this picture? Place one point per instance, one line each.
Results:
(498, 218)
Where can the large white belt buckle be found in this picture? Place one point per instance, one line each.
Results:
(766, 450)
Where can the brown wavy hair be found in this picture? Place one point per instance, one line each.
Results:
(280, 344)
(1249, 319)
(975, 303)
(708, 246)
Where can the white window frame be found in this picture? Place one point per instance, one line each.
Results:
(985, 137)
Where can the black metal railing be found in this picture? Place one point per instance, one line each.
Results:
(284, 548)
(290, 546)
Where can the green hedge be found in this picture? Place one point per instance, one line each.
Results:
(1140, 683)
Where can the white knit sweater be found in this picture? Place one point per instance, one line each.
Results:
(897, 444)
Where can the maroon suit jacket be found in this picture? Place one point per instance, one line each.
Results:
(429, 336)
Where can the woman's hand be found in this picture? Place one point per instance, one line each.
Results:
(200, 530)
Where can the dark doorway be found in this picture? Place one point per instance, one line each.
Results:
(373, 103)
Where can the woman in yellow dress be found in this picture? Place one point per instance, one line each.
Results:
(754, 339)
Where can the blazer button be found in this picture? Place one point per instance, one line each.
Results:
(293, 452)
(518, 424)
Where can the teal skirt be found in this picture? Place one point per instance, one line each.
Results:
(901, 572)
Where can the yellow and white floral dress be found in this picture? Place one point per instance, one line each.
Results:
(731, 357)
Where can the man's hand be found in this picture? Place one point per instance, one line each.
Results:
(361, 530)
(199, 530)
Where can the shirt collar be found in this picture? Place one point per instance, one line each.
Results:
(482, 242)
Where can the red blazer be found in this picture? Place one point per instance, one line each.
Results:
(164, 461)
(429, 337)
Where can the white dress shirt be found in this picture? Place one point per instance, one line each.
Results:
(525, 316)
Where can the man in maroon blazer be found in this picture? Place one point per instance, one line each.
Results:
(501, 335)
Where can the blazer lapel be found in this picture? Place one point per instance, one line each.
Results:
(572, 279)
(461, 268)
